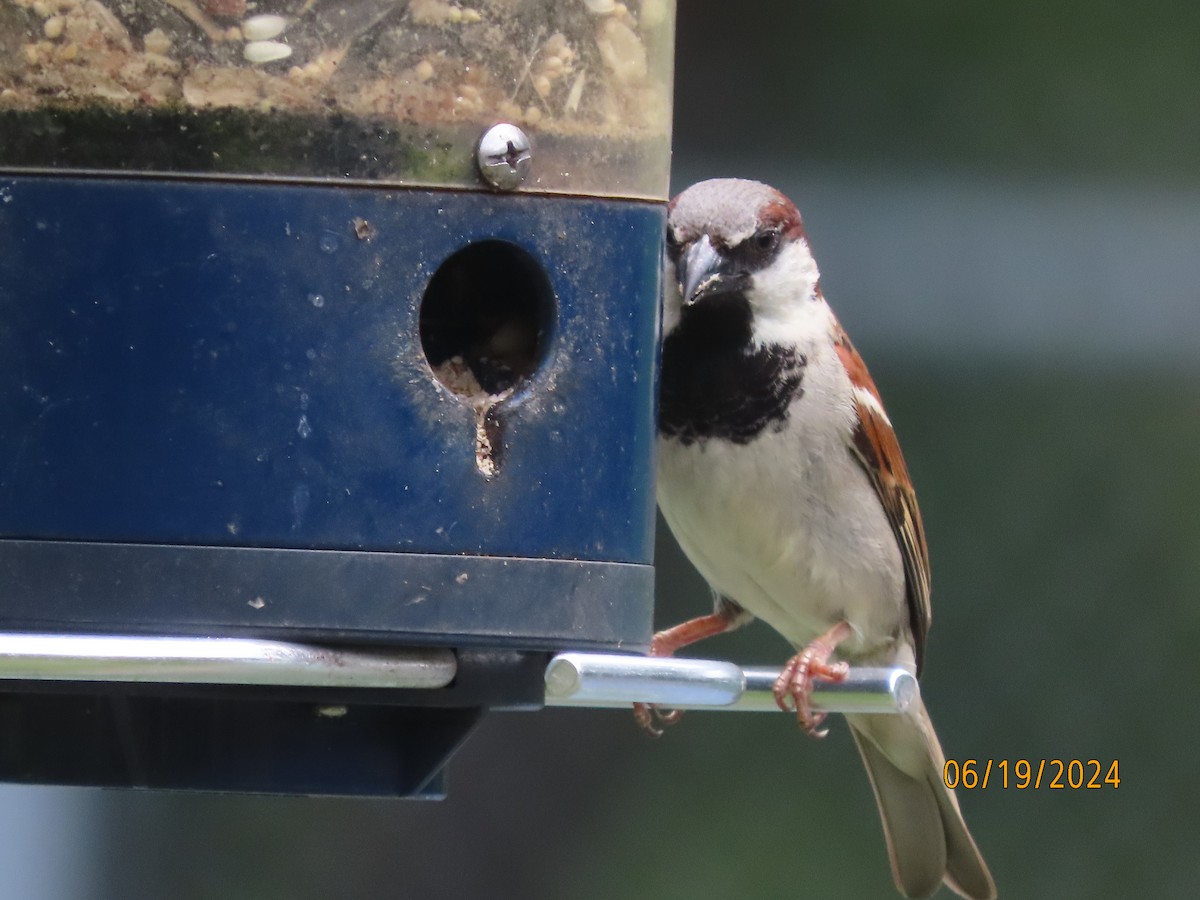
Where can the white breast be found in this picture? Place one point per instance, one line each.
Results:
(788, 525)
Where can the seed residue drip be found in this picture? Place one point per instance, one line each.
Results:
(458, 377)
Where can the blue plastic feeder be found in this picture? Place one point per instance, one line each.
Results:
(302, 374)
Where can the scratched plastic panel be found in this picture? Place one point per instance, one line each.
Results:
(378, 90)
(241, 366)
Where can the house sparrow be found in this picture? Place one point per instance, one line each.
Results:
(780, 476)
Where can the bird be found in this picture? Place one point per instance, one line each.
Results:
(780, 475)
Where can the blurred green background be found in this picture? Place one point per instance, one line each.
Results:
(1005, 203)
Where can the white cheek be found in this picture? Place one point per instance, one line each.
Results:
(783, 295)
(788, 281)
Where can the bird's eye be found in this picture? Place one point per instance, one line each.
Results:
(766, 241)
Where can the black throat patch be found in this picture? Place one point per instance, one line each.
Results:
(714, 384)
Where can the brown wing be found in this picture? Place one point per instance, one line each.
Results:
(876, 447)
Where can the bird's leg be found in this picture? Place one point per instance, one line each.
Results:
(793, 687)
(665, 643)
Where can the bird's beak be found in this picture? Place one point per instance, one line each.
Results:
(703, 272)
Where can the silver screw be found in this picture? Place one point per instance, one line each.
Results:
(505, 156)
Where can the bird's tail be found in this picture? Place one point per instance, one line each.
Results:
(927, 839)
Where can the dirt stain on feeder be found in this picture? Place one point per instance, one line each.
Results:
(461, 380)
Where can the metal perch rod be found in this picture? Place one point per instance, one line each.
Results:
(184, 660)
(608, 680)
(572, 679)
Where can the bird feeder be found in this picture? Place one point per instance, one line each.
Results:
(327, 367)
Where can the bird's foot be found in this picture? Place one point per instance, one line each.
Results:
(650, 716)
(793, 687)
(727, 616)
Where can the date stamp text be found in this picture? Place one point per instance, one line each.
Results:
(1032, 774)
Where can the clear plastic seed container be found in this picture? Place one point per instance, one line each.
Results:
(388, 91)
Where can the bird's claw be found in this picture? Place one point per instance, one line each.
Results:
(793, 687)
(649, 715)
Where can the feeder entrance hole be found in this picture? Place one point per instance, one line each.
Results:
(485, 319)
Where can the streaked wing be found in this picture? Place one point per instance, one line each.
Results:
(876, 447)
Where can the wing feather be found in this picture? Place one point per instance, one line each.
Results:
(875, 446)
